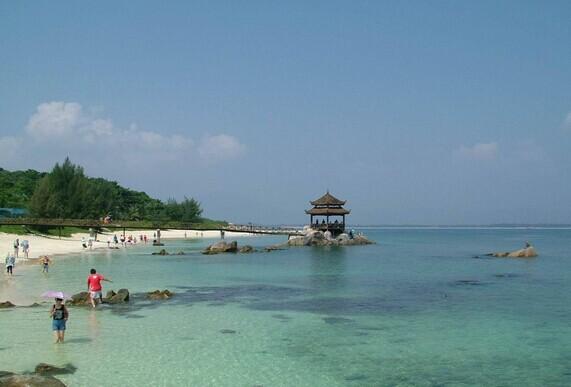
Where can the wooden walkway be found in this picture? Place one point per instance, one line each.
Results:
(143, 225)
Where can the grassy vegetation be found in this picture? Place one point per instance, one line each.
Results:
(53, 231)
(18, 230)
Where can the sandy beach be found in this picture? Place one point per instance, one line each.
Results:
(49, 245)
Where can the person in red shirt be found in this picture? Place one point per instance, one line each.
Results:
(94, 286)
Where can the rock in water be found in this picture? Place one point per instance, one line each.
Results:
(222, 247)
(247, 249)
(6, 304)
(318, 238)
(80, 299)
(160, 295)
(48, 369)
(121, 297)
(528, 252)
(30, 381)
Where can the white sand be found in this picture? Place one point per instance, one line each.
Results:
(40, 245)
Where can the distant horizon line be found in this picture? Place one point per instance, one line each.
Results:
(491, 225)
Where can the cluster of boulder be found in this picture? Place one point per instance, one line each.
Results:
(227, 247)
(41, 377)
(320, 238)
(309, 238)
(527, 252)
(112, 297)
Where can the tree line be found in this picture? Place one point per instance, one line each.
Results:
(66, 192)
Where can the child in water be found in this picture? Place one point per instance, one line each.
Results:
(59, 315)
(46, 264)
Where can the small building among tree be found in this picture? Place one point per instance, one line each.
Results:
(325, 208)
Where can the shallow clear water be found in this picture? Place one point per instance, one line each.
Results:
(416, 309)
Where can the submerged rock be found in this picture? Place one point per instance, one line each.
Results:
(48, 369)
(160, 294)
(221, 247)
(247, 249)
(33, 380)
(6, 304)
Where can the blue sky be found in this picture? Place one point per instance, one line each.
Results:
(416, 112)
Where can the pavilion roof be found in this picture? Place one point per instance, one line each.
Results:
(328, 200)
(327, 211)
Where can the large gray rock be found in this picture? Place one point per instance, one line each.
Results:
(80, 299)
(30, 381)
(318, 238)
(528, 252)
(121, 297)
(221, 247)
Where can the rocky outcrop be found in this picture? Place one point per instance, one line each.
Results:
(6, 304)
(318, 238)
(221, 247)
(164, 252)
(528, 252)
(33, 380)
(121, 297)
(82, 299)
(160, 295)
(247, 249)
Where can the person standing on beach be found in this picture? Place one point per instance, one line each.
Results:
(46, 264)
(10, 263)
(26, 248)
(59, 315)
(94, 286)
(16, 247)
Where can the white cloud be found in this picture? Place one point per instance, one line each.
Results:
(55, 119)
(220, 147)
(480, 151)
(60, 129)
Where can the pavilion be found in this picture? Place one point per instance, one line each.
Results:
(323, 209)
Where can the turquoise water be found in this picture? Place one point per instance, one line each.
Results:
(417, 309)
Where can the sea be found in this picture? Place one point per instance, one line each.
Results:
(421, 307)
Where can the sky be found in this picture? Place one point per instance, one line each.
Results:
(415, 112)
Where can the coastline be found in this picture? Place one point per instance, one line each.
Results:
(50, 246)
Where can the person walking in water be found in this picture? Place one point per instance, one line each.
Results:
(59, 315)
(10, 263)
(45, 264)
(94, 286)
